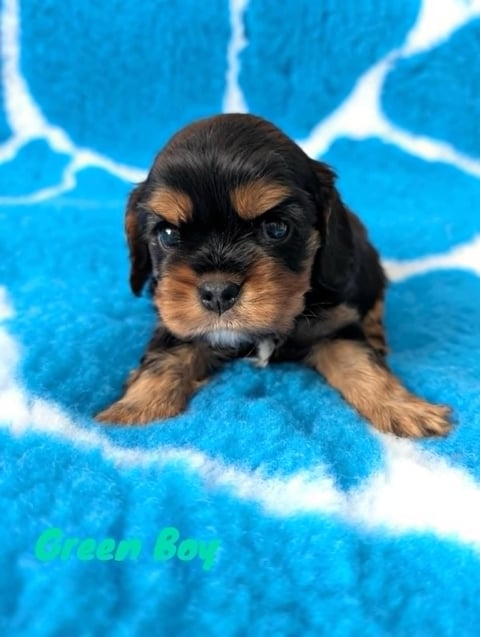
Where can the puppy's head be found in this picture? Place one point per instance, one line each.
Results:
(234, 224)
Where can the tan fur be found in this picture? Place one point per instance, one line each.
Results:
(270, 299)
(131, 221)
(162, 386)
(374, 330)
(373, 390)
(341, 315)
(324, 324)
(255, 198)
(336, 318)
(172, 205)
(176, 297)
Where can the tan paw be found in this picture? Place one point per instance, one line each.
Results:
(125, 412)
(415, 418)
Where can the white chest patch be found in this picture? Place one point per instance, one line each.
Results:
(265, 349)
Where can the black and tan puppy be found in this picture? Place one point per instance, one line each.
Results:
(251, 252)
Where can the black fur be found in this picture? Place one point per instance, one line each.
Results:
(213, 210)
(206, 160)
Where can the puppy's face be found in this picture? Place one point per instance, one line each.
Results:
(230, 223)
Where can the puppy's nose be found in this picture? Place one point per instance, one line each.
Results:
(218, 296)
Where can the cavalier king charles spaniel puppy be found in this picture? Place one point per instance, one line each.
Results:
(250, 252)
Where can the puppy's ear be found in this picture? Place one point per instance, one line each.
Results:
(334, 261)
(140, 262)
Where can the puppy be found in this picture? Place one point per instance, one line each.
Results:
(250, 251)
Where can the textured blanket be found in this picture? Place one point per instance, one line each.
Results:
(269, 507)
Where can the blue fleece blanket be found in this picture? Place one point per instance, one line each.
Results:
(269, 507)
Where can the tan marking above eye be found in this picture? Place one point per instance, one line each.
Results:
(173, 205)
(256, 197)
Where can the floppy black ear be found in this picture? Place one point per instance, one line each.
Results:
(334, 261)
(140, 261)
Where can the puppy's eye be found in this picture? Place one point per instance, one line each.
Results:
(275, 230)
(168, 237)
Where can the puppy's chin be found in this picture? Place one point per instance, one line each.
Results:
(223, 331)
(228, 338)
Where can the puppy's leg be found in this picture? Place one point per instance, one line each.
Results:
(374, 330)
(161, 386)
(360, 374)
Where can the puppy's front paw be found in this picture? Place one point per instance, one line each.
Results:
(415, 418)
(125, 412)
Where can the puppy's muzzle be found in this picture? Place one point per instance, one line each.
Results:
(218, 296)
